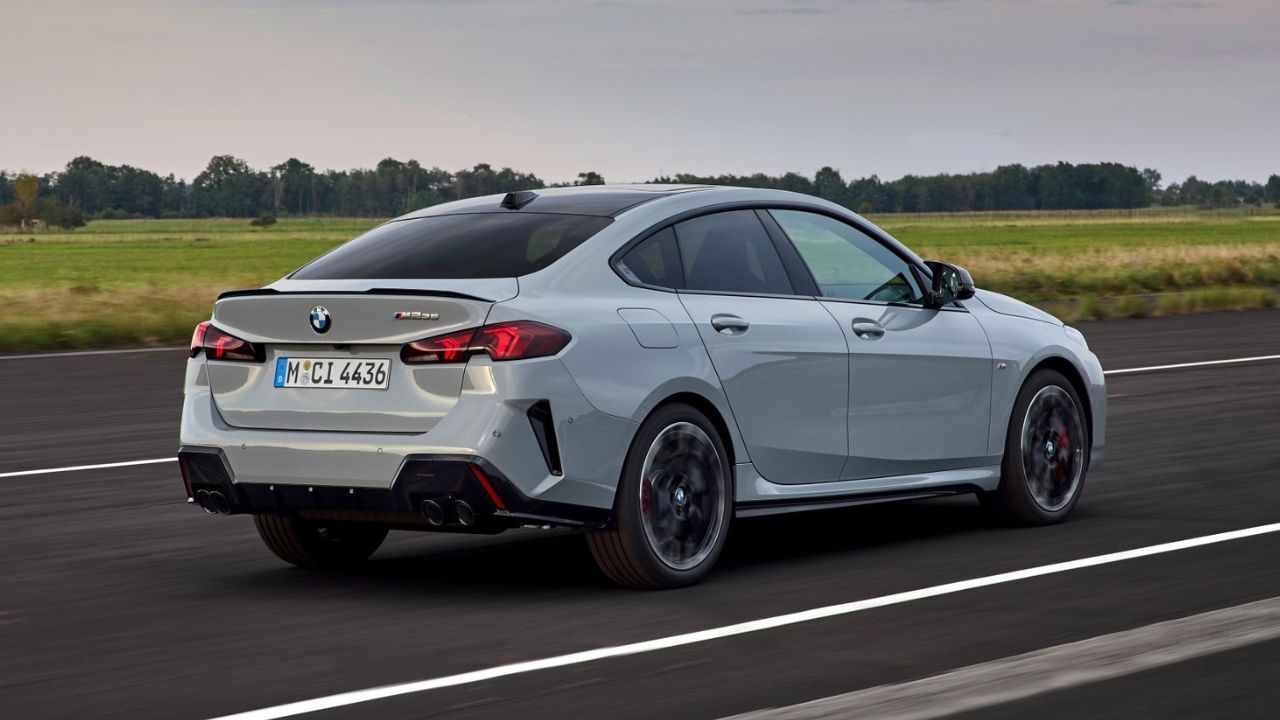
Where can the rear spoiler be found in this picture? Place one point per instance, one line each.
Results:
(372, 291)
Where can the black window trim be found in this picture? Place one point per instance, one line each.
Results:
(922, 271)
(922, 275)
(615, 260)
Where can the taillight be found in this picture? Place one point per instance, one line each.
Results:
(518, 340)
(449, 348)
(197, 338)
(220, 345)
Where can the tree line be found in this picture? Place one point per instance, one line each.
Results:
(229, 187)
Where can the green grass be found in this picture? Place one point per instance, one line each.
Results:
(149, 281)
(143, 282)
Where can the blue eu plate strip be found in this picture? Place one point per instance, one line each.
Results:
(281, 364)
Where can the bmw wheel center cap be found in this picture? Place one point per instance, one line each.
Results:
(320, 320)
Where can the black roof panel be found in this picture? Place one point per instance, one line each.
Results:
(601, 200)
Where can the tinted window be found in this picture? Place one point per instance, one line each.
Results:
(730, 252)
(846, 262)
(457, 246)
(655, 261)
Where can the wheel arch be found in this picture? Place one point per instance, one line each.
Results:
(708, 408)
(1073, 375)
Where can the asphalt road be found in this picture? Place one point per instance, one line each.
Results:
(119, 600)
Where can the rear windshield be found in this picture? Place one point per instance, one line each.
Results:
(456, 246)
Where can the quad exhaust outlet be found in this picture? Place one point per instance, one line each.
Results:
(213, 502)
(433, 513)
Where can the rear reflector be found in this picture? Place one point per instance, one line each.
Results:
(519, 340)
(481, 478)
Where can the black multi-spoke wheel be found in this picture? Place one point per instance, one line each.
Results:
(673, 503)
(310, 544)
(682, 495)
(1046, 453)
(1052, 456)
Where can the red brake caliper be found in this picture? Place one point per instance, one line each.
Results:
(1064, 452)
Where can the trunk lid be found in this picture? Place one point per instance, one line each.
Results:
(364, 323)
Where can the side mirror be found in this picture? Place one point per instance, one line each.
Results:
(950, 283)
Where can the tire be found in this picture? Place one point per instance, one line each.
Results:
(1046, 454)
(673, 506)
(311, 545)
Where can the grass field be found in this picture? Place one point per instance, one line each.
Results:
(117, 283)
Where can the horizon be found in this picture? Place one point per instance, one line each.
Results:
(555, 182)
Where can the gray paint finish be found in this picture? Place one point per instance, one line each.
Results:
(786, 375)
(651, 328)
(919, 391)
(809, 407)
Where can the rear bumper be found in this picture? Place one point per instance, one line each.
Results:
(445, 480)
(527, 422)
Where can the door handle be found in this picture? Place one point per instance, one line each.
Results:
(729, 324)
(868, 329)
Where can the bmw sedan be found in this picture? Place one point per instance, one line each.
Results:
(645, 363)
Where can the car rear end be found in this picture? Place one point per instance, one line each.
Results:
(365, 389)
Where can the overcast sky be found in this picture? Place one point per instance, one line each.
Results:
(634, 88)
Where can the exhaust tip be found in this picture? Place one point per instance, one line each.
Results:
(202, 499)
(466, 516)
(433, 513)
(218, 504)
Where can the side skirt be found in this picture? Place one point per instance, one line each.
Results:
(760, 509)
(757, 496)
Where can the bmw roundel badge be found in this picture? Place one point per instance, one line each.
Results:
(320, 320)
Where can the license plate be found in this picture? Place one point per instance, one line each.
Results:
(333, 373)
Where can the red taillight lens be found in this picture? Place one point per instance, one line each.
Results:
(219, 345)
(197, 338)
(518, 340)
(450, 348)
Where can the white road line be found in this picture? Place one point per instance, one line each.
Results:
(1056, 668)
(82, 353)
(701, 636)
(74, 468)
(1203, 363)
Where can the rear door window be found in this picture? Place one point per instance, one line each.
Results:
(490, 245)
(730, 252)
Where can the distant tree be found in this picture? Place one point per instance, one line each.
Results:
(590, 178)
(1152, 179)
(54, 213)
(1010, 188)
(1273, 190)
(293, 186)
(828, 185)
(229, 187)
(795, 182)
(84, 184)
(26, 190)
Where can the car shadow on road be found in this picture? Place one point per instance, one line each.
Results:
(519, 562)
(812, 535)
